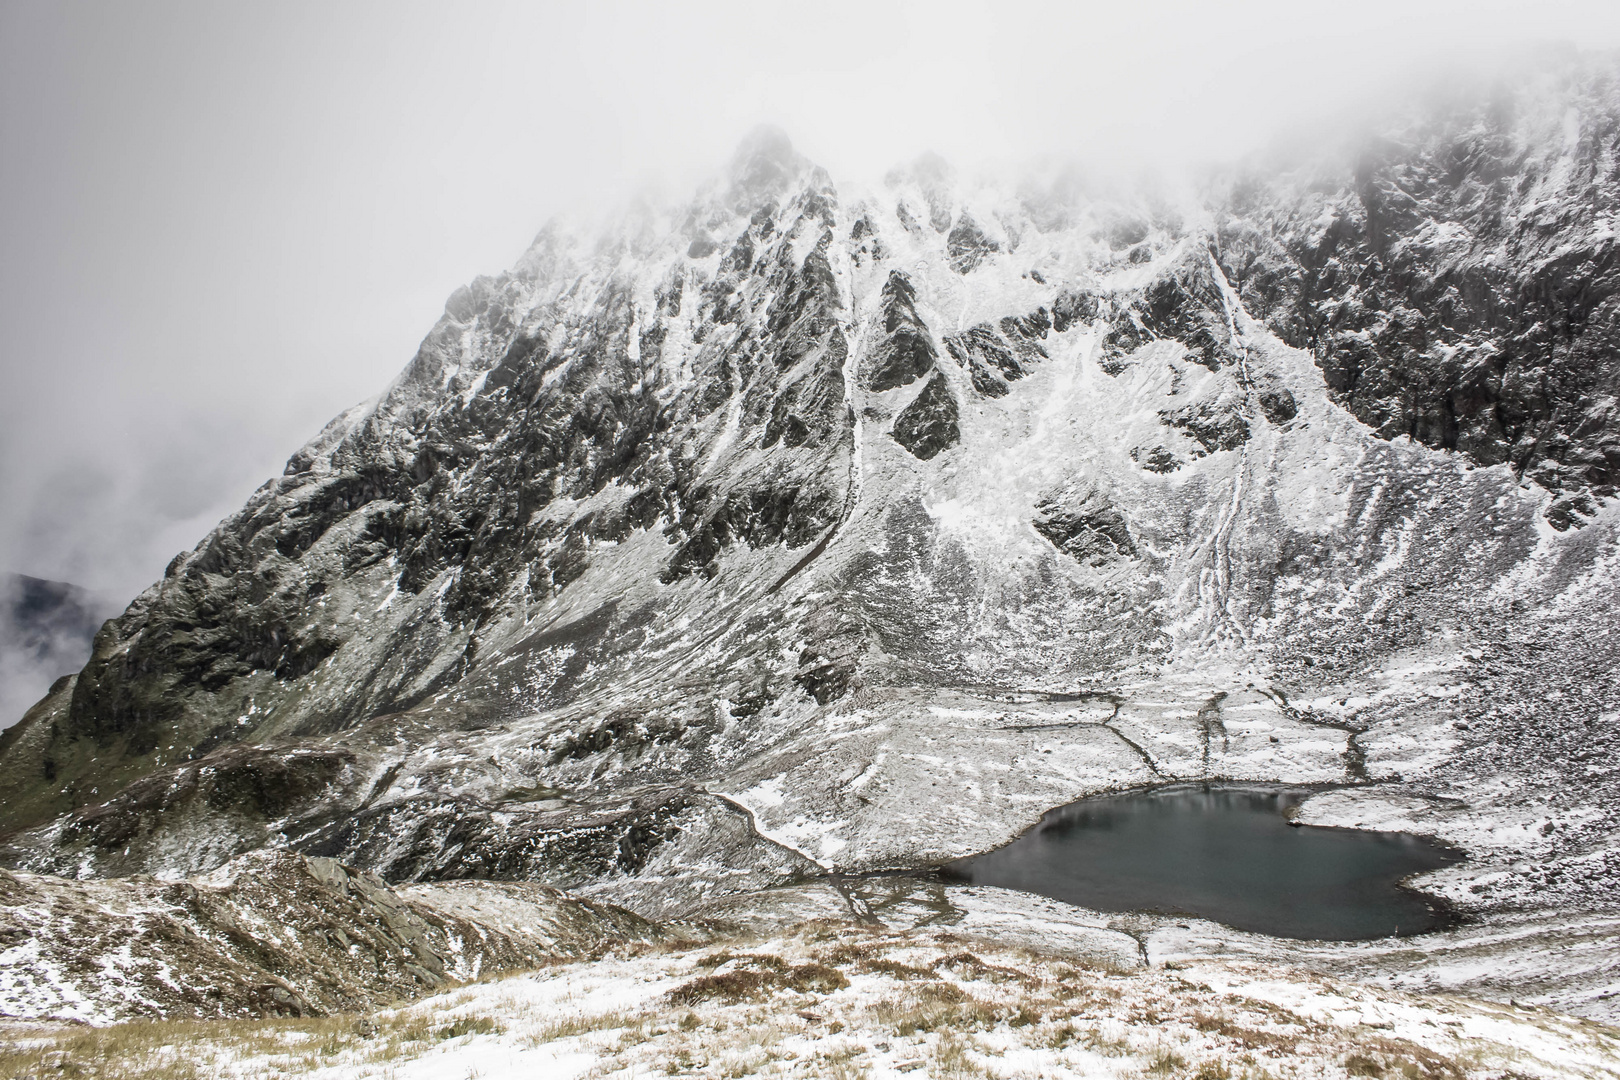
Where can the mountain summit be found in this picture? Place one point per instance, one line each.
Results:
(807, 528)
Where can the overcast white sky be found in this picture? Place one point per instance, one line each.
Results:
(222, 223)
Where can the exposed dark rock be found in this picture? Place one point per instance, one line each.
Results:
(1071, 308)
(1155, 459)
(1458, 282)
(615, 539)
(994, 356)
(410, 499)
(1087, 529)
(929, 424)
(1214, 425)
(1027, 331)
(343, 940)
(749, 703)
(1277, 404)
(968, 245)
(988, 359)
(829, 661)
(444, 838)
(1185, 305)
(254, 781)
(231, 798)
(765, 515)
(1570, 510)
(906, 352)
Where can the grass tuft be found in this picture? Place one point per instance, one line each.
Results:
(759, 983)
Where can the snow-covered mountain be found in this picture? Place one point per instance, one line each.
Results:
(814, 528)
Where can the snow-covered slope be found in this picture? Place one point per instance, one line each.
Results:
(847, 1000)
(275, 934)
(811, 528)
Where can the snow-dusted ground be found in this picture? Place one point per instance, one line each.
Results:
(1565, 961)
(841, 1000)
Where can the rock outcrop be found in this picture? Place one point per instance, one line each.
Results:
(929, 424)
(276, 934)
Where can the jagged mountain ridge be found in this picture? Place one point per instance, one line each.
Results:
(1456, 276)
(809, 527)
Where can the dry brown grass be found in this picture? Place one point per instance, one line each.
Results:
(1099, 1041)
(1163, 1061)
(753, 1008)
(1389, 1059)
(952, 1059)
(170, 1050)
(966, 965)
(567, 1027)
(758, 981)
(1248, 1038)
(934, 1006)
(193, 1049)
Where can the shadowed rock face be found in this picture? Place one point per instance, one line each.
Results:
(968, 245)
(572, 390)
(1088, 530)
(1212, 425)
(929, 424)
(995, 355)
(1186, 305)
(907, 350)
(681, 560)
(1458, 278)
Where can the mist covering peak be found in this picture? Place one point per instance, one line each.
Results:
(693, 560)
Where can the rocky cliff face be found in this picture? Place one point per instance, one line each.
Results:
(808, 527)
(1458, 277)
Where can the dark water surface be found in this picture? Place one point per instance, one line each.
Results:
(1225, 853)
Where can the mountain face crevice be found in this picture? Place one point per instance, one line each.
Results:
(802, 528)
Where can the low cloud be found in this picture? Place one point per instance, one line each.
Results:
(46, 629)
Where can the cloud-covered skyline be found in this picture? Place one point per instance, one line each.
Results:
(221, 225)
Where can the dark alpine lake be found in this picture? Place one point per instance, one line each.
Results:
(1225, 853)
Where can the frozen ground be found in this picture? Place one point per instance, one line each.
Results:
(844, 1000)
(1569, 962)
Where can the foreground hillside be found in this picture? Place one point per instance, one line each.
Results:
(843, 1000)
(276, 934)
